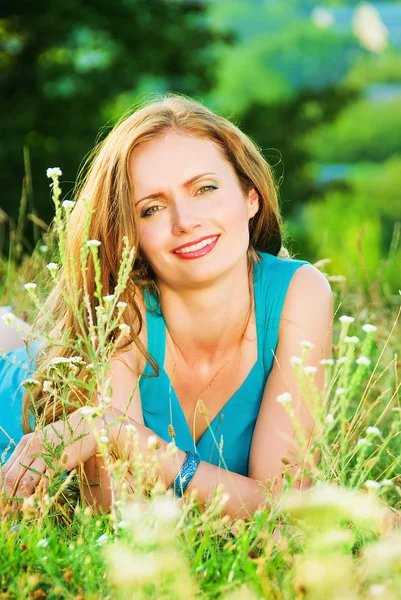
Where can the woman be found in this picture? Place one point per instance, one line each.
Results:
(217, 307)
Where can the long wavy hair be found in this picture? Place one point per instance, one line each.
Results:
(105, 184)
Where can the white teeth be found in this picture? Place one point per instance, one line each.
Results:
(196, 246)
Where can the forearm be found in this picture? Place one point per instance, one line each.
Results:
(245, 495)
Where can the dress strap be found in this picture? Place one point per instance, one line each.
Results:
(156, 331)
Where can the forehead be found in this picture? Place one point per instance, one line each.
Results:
(175, 158)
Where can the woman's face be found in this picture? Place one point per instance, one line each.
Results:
(186, 192)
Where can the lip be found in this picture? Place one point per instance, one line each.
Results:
(206, 237)
(191, 255)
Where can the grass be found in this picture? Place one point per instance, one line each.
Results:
(332, 542)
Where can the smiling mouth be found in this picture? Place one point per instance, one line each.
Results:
(196, 247)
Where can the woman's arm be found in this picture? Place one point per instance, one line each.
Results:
(307, 315)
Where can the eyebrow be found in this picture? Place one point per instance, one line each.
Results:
(185, 184)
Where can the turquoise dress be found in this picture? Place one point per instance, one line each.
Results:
(227, 441)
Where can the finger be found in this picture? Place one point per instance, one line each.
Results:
(31, 478)
(12, 478)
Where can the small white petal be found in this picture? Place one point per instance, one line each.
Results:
(369, 328)
(30, 382)
(284, 398)
(104, 439)
(342, 360)
(363, 442)
(30, 286)
(130, 427)
(42, 544)
(43, 248)
(363, 360)
(53, 172)
(93, 243)
(386, 482)
(309, 370)
(374, 430)
(52, 266)
(296, 360)
(109, 298)
(329, 418)
(306, 344)
(102, 539)
(68, 204)
(88, 410)
(353, 339)
(346, 319)
(340, 391)
(372, 485)
(327, 361)
(122, 305)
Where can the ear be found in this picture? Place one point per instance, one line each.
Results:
(253, 203)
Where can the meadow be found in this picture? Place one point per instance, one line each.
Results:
(337, 540)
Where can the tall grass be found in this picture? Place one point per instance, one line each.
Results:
(334, 541)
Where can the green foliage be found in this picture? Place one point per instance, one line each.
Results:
(363, 131)
(357, 227)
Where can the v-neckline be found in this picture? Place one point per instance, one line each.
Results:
(174, 396)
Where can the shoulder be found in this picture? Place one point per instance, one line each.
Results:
(309, 298)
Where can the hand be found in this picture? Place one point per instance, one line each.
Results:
(16, 480)
(390, 519)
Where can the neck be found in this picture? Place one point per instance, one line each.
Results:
(206, 325)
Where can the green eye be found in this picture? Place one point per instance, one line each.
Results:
(207, 187)
(148, 212)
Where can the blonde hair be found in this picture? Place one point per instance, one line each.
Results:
(108, 189)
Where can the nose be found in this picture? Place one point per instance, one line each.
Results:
(185, 217)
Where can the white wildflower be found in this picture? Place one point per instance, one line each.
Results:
(386, 482)
(322, 18)
(102, 539)
(43, 248)
(346, 319)
(95, 243)
(340, 391)
(130, 427)
(59, 360)
(363, 360)
(48, 386)
(30, 382)
(329, 418)
(88, 411)
(52, 266)
(152, 441)
(309, 370)
(377, 589)
(284, 398)
(306, 344)
(353, 339)
(327, 361)
(342, 360)
(104, 439)
(53, 172)
(30, 286)
(362, 442)
(374, 430)
(124, 328)
(296, 360)
(123, 524)
(77, 360)
(42, 544)
(68, 204)
(371, 485)
(121, 305)
(9, 318)
(367, 328)
(109, 298)
(166, 509)
(90, 367)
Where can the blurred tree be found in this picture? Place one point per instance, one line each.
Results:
(66, 67)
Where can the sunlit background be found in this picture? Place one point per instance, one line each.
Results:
(316, 85)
